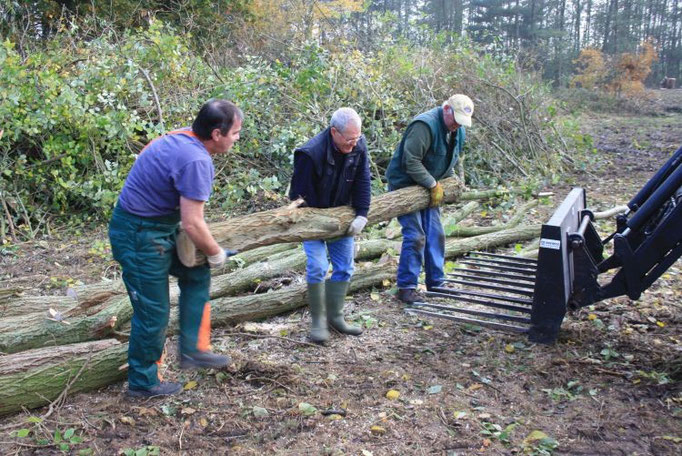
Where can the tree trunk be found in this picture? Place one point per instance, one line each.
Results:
(20, 306)
(228, 311)
(458, 247)
(17, 334)
(94, 293)
(279, 264)
(293, 224)
(33, 378)
(83, 322)
(468, 231)
(36, 330)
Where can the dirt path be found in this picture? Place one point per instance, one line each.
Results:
(605, 388)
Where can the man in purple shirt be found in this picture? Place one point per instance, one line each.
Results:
(169, 183)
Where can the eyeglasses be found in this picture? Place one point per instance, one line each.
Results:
(349, 140)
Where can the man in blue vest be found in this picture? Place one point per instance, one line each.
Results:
(426, 154)
(331, 170)
(169, 183)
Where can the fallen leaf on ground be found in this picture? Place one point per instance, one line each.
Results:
(307, 409)
(127, 420)
(377, 430)
(533, 437)
(392, 394)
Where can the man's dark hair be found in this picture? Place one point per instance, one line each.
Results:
(215, 113)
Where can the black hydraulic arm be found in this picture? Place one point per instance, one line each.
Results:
(656, 181)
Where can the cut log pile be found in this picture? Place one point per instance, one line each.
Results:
(81, 345)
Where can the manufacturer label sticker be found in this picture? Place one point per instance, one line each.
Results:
(550, 244)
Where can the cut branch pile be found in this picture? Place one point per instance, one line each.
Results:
(72, 349)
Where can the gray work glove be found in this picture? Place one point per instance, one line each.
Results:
(356, 225)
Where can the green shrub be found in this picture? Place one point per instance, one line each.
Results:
(76, 110)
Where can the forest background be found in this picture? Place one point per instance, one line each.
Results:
(85, 84)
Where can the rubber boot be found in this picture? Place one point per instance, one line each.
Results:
(336, 294)
(318, 313)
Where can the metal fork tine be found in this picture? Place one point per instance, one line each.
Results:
(479, 313)
(515, 258)
(497, 305)
(453, 291)
(490, 280)
(527, 272)
(498, 274)
(473, 321)
(491, 287)
(530, 267)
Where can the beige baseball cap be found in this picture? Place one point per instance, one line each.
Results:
(463, 108)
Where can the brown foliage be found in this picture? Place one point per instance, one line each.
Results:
(591, 69)
(632, 69)
(621, 75)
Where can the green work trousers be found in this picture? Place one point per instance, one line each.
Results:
(145, 248)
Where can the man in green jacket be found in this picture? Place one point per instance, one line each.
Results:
(427, 153)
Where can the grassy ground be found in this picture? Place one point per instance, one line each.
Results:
(609, 385)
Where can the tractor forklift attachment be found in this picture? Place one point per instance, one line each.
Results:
(647, 241)
(529, 296)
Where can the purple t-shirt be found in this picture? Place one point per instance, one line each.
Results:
(171, 166)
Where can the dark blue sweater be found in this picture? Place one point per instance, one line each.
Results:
(325, 177)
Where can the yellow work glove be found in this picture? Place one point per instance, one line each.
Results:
(436, 195)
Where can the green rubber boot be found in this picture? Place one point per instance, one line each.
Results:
(336, 294)
(318, 313)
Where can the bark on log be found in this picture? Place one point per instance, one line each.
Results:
(95, 293)
(462, 213)
(516, 219)
(297, 224)
(228, 311)
(85, 323)
(20, 306)
(33, 378)
(277, 265)
(37, 330)
(92, 294)
(458, 247)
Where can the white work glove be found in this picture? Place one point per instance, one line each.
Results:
(357, 225)
(217, 260)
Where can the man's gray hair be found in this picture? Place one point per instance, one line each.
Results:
(343, 116)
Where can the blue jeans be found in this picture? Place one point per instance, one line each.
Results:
(340, 253)
(423, 242)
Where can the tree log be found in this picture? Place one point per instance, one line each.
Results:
(458, 247)
(37, 330)
(294, 224)
(516, 219)
(20, 306)
(228, 311)
(33, 378)
(95, 293)
(462, 213)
